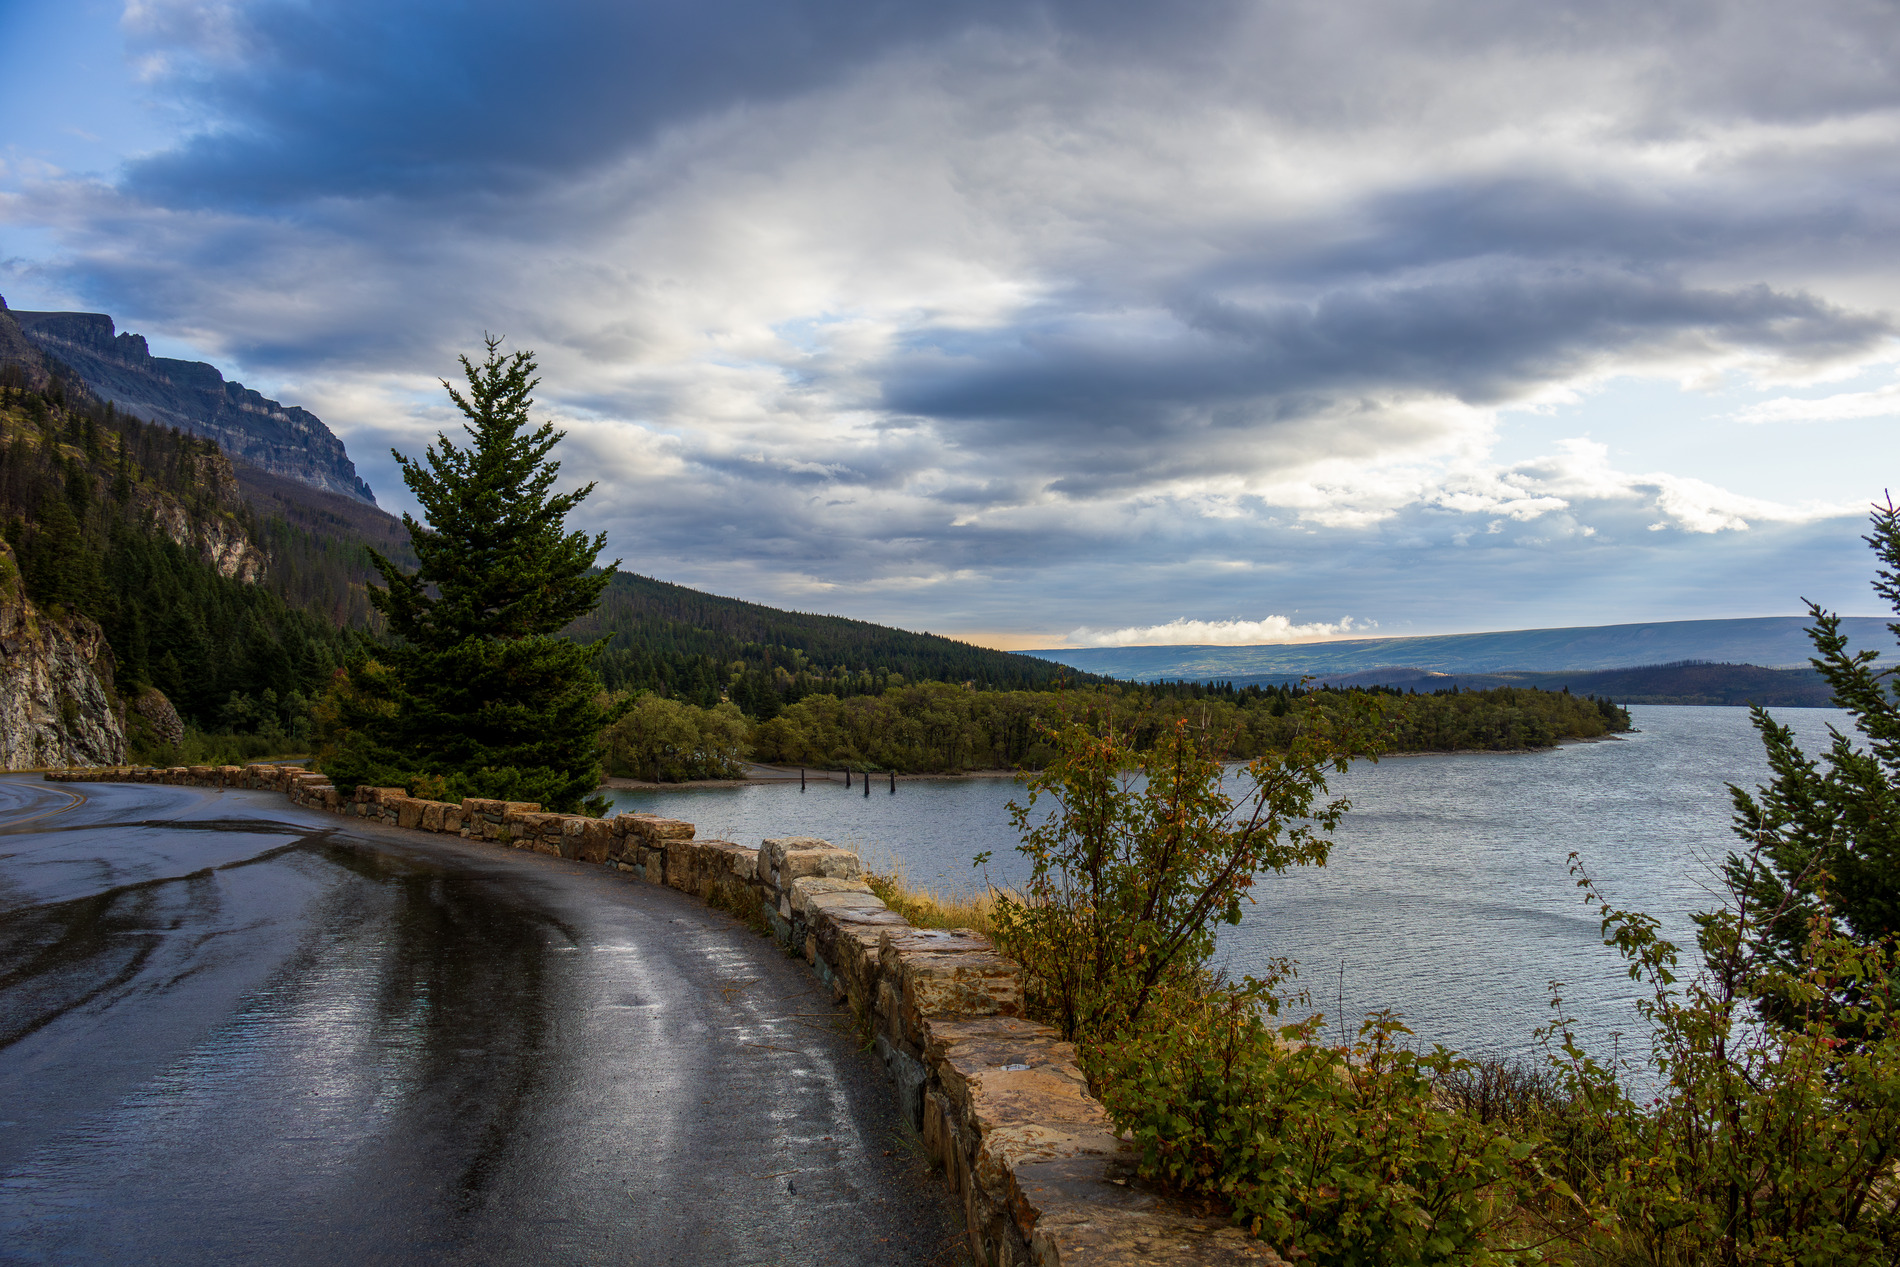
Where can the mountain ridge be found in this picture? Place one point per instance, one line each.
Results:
(1767, 641)
(194, 396)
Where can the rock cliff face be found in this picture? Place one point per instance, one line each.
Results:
(56, 702)
(219, 538)
(193, 396)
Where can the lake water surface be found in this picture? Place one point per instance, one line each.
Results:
(1447, 896)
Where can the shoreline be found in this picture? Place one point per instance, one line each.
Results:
(1507, 752)
(779, 774)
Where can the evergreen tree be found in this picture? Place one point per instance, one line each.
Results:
(1826, 832)
(475, 694)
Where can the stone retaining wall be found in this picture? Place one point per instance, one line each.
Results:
(999, 1100)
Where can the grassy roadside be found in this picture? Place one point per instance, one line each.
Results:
(926, 908)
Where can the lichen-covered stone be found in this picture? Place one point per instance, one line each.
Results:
(847, 941)
(728, 869)
(593, 841)
(1085, 1211)
(653, 829)
(158, 714)
(804, 888)
(833, 864)
(684, 869)
(1012, 1096)
(772, 854)
(960, 1050)
(949, 972)
(508, 823)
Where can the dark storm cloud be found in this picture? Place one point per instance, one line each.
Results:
(355, 98)
(1120, 399)
(969, 296)
(1577, 220)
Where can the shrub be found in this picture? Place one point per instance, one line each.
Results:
(1345, 1156)
(670, 741)
(1342, 1155)
(1145, 852)
(1768, 1143)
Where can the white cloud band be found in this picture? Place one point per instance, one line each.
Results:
(1223, 633)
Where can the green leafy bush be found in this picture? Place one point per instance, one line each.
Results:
(1346, 1155)
(1758, 1143)
(1143, 853)
(670, 741)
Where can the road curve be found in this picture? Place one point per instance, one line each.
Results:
(236, 1031)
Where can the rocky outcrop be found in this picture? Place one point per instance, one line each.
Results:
(219, 537)
(155, 712)
(56, 702)
(193, 396)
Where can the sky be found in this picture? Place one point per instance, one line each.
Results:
(1051, 324)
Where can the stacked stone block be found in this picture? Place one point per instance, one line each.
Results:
(1000, 1101)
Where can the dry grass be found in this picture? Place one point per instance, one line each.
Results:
(926, 908)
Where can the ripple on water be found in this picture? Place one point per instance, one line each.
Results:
(1447, 897)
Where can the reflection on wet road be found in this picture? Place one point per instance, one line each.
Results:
(235, 1031)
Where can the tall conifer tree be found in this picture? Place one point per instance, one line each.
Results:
(1826, 832)
(475, 694)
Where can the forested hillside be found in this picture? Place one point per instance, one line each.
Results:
(697, 646)
(143, 529)
(314, 540)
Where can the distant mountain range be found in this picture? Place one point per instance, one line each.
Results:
(282, 440)
(1767, 641)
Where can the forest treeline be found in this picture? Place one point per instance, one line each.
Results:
(937, 727)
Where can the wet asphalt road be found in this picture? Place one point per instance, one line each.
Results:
(235, 1031)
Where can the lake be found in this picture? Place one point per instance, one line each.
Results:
(1447, 896)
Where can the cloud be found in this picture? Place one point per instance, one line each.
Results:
(953, 313)
(368, 97)
(1225, 633)
(1881, 402)
(1579, 477)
